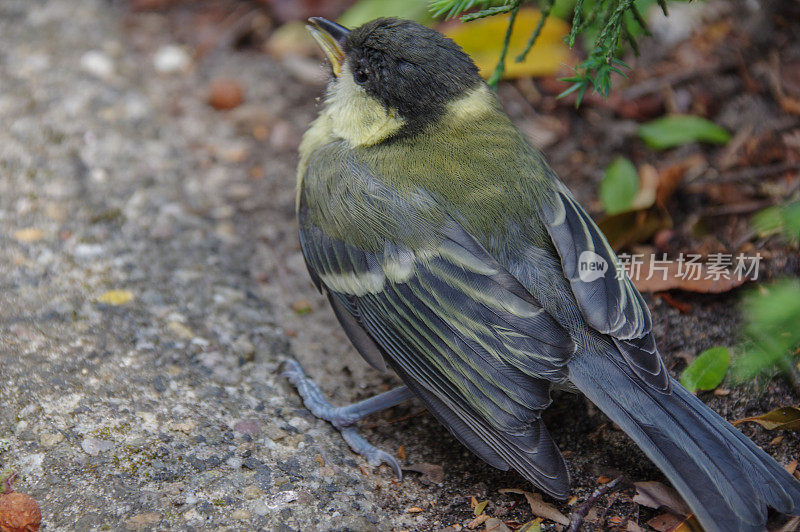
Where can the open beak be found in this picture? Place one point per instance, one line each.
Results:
(330, 36)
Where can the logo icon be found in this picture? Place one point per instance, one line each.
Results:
(591, 266)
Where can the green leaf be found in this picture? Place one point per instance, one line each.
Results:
(619, 187)
(772, 313)
(768, 221)
(671, 131)
(791, 221)
(778, 219)
(366, 10)
(707, 370)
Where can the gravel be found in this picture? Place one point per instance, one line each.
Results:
(151, 284)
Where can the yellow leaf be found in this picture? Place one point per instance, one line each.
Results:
(116, 297)
(483, 39)
(28, 235)
(480, 508)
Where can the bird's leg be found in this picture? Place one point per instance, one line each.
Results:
(344, 417)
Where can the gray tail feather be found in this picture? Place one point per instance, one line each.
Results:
(724, 477)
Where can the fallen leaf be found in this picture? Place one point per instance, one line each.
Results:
(482, 40)
(671, 177)
(633, 227)
(776, 440)
(116, 297)
(619, 186)
(539, 507)
(673, 275)
(431, 473)
(666, 522)
(784, 418)
(682, 306)
(478, 521)
(531, 526)
(657, 495)
(480, 507)
(633, 527)
(649, 179)
(791, 467)
(675, 130)
(495, 525)
(401, 452)
(30, 234)
(414, 510)
(603, 479)
(707, 370)
(690, 524)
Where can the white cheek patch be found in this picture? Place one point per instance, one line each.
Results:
(357, 117)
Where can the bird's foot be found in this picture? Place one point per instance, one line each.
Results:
(344, 417)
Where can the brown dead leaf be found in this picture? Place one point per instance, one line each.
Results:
(495, 525)
(401, 452)
(648, 184)
(784, 418)
(633, 527)
(633, 227)
(414, 510)
(666, 522)
(790, 105)
(478, 521)
(791, 467)
(657, 495)
(672, 275)
(682, 306)
(671, 177)
(539, 507)
(431, 473)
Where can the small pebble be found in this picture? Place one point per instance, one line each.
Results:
(98, 64)
(171, 59)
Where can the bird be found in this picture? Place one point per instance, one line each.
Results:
(453, 255)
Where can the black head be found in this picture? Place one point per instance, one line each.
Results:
(405, 65)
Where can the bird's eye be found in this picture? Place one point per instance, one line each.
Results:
(361, 75)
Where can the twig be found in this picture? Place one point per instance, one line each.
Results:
(747, 174)
(656, 84)
(536, 32)
(745, 207)
(501, 64)
(577, 517)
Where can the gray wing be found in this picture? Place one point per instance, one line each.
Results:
(462, 333)
(608, 302)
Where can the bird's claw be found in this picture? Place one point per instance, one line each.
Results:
(315, 401)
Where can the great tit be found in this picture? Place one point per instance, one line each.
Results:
(452, 254)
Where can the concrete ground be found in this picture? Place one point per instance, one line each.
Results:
(151, 283)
